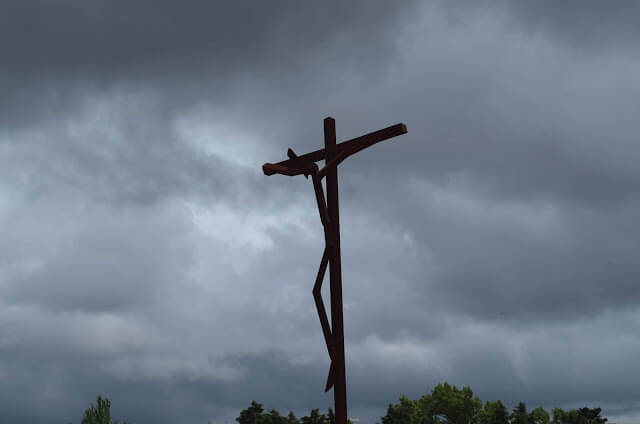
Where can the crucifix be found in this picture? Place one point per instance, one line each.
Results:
(305, 165)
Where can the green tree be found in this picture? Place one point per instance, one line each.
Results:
(455, 406)
(559, 416)
(291, 418)
(255, 415)
(539, 416)
(273, 417)
(403, 413)
(424, 410)
(100, 414)
(315, 418)
(582, 416)
(519, 414)
(495, 413)
(332, 418)
(591, 416)
(251, 415)
(446, 404)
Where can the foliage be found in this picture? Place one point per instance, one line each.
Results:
(519, 414)
(255, 415)
(494, 413)
(591, 416)
(405, 412)
(101, 414)
(445, 404)
(581, 416)
(251, 415)
(539, 416)
(453, 405)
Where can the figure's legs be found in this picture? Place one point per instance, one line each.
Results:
(326, 256)
(324, 322)
(322, 205)
(317, 295)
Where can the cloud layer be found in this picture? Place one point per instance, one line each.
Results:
(145, 257)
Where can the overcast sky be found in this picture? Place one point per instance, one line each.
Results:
(145, 257)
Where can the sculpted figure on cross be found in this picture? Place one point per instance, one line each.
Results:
(333, 154)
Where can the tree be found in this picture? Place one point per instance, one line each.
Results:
(251, 415)
(539, 416)
(404, 413)
(315, 418)
(424, 410)
(332, 418)
(591, 416)
(274, 417)
(559, 416)
(519, 414)
(582, 416)
(455, 406)
(255, 415)
(100, 414)
(495, 413)
(291, 418)
(446, 404)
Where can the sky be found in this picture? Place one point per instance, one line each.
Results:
(145, 257)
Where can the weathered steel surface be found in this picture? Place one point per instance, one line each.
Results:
(355, 145)
(338, 371)
(333, 154)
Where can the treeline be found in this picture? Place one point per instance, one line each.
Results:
(445, 404)
(255, 415)
(101, 414)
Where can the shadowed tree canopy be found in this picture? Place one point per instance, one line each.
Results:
(519, 414)
(255, 415)
(447, 404)
(581, 416)
(539, 416)
(100, 414)
(494, 413)
(455, 406)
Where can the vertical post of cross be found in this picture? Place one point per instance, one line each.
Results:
(335, 276)
(333, 154)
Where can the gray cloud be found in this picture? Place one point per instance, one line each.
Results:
(144, 256)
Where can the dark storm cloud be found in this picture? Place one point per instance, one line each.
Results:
(98, 150)
(526, 211)
(527, 261)
(103, 277)
(585, 24)
(49, 49)
(494, 245)
(100, 38)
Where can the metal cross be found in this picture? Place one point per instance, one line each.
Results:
(333, 154)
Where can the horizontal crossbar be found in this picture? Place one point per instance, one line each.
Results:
(293, 166)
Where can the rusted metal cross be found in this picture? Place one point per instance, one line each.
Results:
(305, 165)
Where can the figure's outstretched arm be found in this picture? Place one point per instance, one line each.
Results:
(272, 168)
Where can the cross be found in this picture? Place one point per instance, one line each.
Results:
(333, 154)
